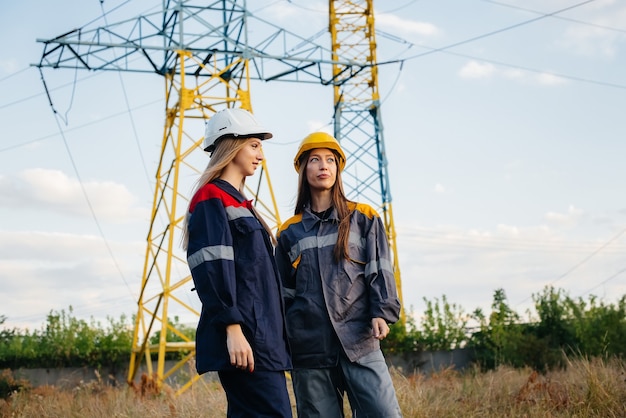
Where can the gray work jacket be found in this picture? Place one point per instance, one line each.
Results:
(329, 306)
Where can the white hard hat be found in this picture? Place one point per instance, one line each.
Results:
(234, 123)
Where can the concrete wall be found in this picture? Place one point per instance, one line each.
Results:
(428, 362)
(71, 377)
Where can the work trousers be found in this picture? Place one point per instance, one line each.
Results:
(260, 394)
(319, 392)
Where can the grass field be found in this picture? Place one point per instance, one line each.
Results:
(587, 388)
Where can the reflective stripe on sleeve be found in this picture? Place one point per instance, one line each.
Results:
(212, 253)
(372, 266)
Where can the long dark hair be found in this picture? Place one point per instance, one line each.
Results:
(339, 201)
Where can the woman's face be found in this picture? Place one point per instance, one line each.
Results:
(321, 169)
(249, 157)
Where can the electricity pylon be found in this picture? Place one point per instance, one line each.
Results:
(207, 60)
(358, 122)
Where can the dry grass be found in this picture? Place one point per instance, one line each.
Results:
(586, 389)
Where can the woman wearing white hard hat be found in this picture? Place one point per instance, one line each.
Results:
(241, 332)
(339, 290)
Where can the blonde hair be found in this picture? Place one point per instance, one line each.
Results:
(225, 151)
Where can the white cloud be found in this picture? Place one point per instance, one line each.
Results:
(569, 219)
(602, 35)
(405, 25)
(592, 41)
(514, 74)
(550, 79)
(43, 271)
(292, 15)
(439, 188)
(32, 290)
(400, 87)
(508, 230)
(468, 265)
(474, 69)
(39, 188)
(58, 247)
(9, 66)
(318, 125)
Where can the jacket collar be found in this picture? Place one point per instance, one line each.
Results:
(228, 188)
(310, 220)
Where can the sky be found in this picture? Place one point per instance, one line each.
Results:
(504, 132)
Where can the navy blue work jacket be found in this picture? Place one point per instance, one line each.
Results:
(232, 264)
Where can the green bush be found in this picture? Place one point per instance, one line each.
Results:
(499, 335)
(564, 327)
(443, 325)
(66, 341)
(599, 329)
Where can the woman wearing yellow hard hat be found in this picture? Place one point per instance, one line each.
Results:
(339, 290)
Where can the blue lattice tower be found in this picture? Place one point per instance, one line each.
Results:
(358, 123)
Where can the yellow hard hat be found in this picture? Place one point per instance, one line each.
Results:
(320, 140)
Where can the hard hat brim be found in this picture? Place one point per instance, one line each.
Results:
(320, 140)
(262, 136)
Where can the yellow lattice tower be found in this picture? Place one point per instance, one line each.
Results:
(165, 265)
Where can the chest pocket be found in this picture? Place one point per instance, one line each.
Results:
(356, 251)
(248, 238)
(354, 266)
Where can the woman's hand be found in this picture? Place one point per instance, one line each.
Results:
(239, 348)
(380, 328)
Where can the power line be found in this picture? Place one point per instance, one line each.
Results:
(500, 243)
(590, 256)
(606, 280)
(101, 306)
(26, 98)
(128, 110)
(306, 8)
(77, 127)
(584, 260)
(401, 6)
(534, 70)
(12, 75)
(503, 244)
(498, 31)
(445, 49)
(84, 191)
(568, 19)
